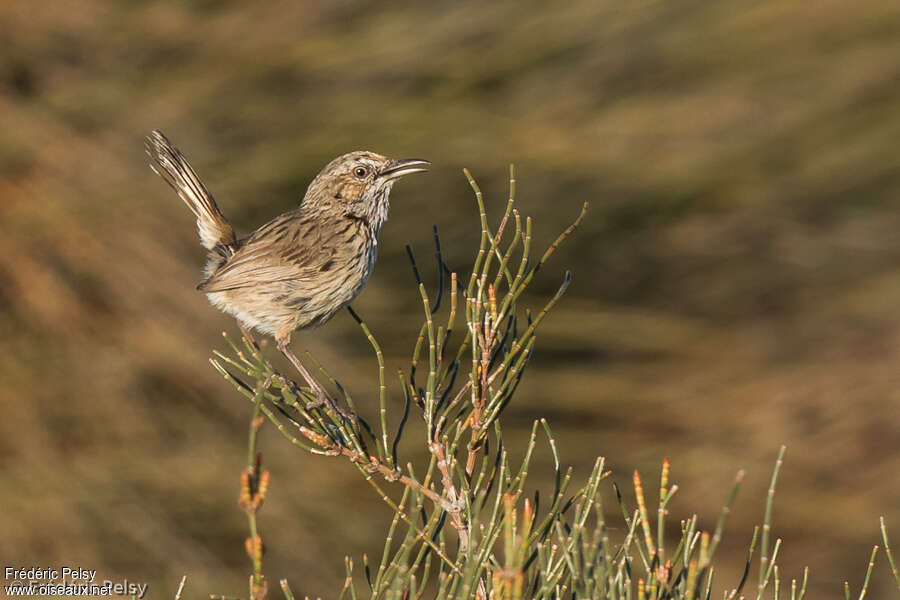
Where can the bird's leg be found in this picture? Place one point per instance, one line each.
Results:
(248, 335)
(310, 381)
(321, 396)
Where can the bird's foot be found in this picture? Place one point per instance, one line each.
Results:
(323, 399)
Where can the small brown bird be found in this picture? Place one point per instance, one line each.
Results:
(302, 267)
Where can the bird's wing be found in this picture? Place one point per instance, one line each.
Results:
(290, 247)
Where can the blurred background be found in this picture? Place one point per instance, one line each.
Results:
(737, 280)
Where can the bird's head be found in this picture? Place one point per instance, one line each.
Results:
(358, 184)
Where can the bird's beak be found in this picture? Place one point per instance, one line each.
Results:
(405, 166)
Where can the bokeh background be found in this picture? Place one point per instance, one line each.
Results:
(737, 280)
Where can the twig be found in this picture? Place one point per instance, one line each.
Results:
(453, 500)
(180, 587)
(254, 484)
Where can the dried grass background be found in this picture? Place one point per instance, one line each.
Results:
(737, 281)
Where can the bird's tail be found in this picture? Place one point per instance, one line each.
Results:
(168, 162)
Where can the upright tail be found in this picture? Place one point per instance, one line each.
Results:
(168, 162)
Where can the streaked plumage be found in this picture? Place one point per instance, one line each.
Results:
(302, 267)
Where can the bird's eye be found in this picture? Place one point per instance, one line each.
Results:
(361, 172)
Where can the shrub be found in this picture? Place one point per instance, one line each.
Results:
(465, 524)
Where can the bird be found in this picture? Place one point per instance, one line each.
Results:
(302, 267)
